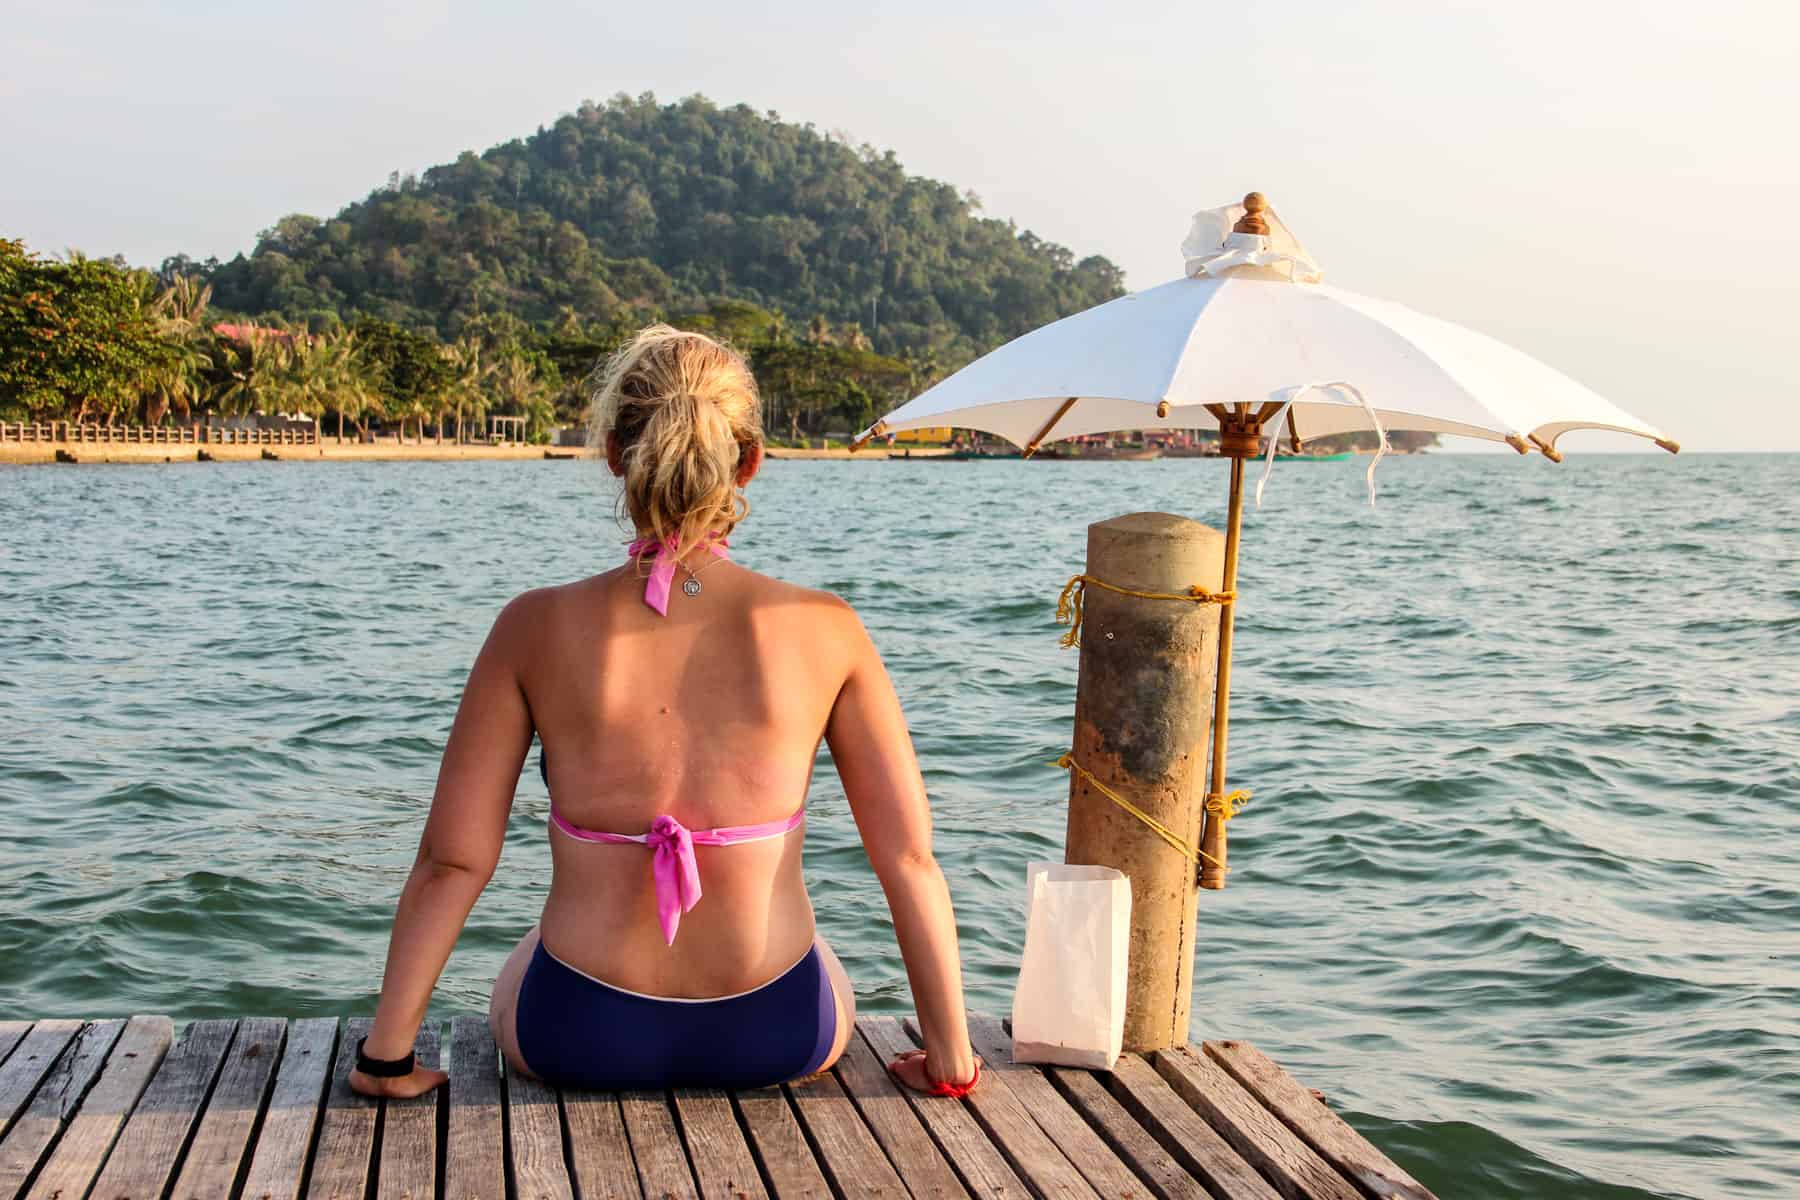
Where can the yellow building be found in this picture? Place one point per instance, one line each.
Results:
(939, 433)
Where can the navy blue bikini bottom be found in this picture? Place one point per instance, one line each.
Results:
(575, 1031)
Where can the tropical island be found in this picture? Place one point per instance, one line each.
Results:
(480, 294)
(491, 286)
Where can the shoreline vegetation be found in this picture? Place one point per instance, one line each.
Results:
(471, 304)
(129, 368)
(86, 342)
(30, 453)
(490, 287)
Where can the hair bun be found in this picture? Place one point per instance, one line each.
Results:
(683, 407)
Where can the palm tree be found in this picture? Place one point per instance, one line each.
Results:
(520, 390)
(257, 366)
(180, 312)
(852, 337)
(347, 389)
(408, 408)
(468, 388)
(324, 373)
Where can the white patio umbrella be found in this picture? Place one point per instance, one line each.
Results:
(1248, 342)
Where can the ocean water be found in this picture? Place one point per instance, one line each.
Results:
(1519, 889)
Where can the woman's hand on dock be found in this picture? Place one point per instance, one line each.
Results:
(912, 1070)
(398, 1087)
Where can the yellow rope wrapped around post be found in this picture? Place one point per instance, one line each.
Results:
(1224, 807)
(1069, 604)
(1227, 806)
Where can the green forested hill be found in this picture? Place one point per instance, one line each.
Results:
(632, 208)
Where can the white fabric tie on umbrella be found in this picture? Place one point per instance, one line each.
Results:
(1250, 324)
(1381, 437)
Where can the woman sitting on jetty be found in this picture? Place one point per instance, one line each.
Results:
(679, 726)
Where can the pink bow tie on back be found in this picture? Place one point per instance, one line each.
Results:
(662, 571)
(676, 873)
(672, 866)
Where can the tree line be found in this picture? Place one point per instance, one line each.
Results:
(493, 285)
(94, 340)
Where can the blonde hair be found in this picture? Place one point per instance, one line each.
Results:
(685, 410)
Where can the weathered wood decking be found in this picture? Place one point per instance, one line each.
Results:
(259, 1108)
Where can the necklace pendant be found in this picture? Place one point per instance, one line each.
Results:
(691, 587)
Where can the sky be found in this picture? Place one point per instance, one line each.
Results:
(1607, 186)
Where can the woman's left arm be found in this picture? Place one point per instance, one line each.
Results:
(460, 848)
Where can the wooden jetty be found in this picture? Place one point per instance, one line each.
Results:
(260, 1108)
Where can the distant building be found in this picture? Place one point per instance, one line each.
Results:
(259, 333)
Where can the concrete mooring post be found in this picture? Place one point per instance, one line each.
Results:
(1143, 707)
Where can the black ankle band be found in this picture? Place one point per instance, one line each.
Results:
(383, 1068)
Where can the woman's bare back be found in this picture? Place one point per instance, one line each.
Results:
(708, 716)
(711, 714)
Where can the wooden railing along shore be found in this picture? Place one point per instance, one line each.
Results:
(88, 433)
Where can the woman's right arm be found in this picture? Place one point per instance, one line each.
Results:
(874, 756)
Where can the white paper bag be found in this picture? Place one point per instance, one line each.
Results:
(1069, 1007)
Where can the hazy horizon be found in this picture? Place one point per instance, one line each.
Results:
(1589, 191)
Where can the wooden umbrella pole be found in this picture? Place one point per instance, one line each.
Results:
(1212, 841)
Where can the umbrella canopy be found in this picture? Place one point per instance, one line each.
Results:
(1249, 342)
(1238, 329)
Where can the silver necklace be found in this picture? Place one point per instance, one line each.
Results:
(692, 586)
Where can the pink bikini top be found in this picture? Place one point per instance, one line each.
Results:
(671, 843)
(672, 863)
(662, 571)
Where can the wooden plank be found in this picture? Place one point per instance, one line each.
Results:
(1201, 1152)
(1094, 1132)
(984, 1170)
(1327, 1133)
(1253, 1131)
(278, 1160)
(849, 1154)
(723, 1166)
(148, 1153)
(662, 1165)
(11, 1034)
(600, 1151)
(340, 1163)
(534, 1125)
(475, 1138)
(1129, 1140)
(27, 1065)
(53, 1103)
(409, 1149)
(212, 1164)
(1027, 1147)
(1071, 1134)
(897, 1127)
(779, 1146)
(84, 1145)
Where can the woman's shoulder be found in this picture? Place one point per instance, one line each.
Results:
(804, 602)
(540, 608)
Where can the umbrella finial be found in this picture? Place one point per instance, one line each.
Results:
(1252, 220)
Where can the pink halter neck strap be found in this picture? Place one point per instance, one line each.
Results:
(672, 844)
(662, 571)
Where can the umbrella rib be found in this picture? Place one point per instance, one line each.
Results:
(1038, 437)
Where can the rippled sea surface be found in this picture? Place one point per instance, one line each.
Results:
(1519, 889)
